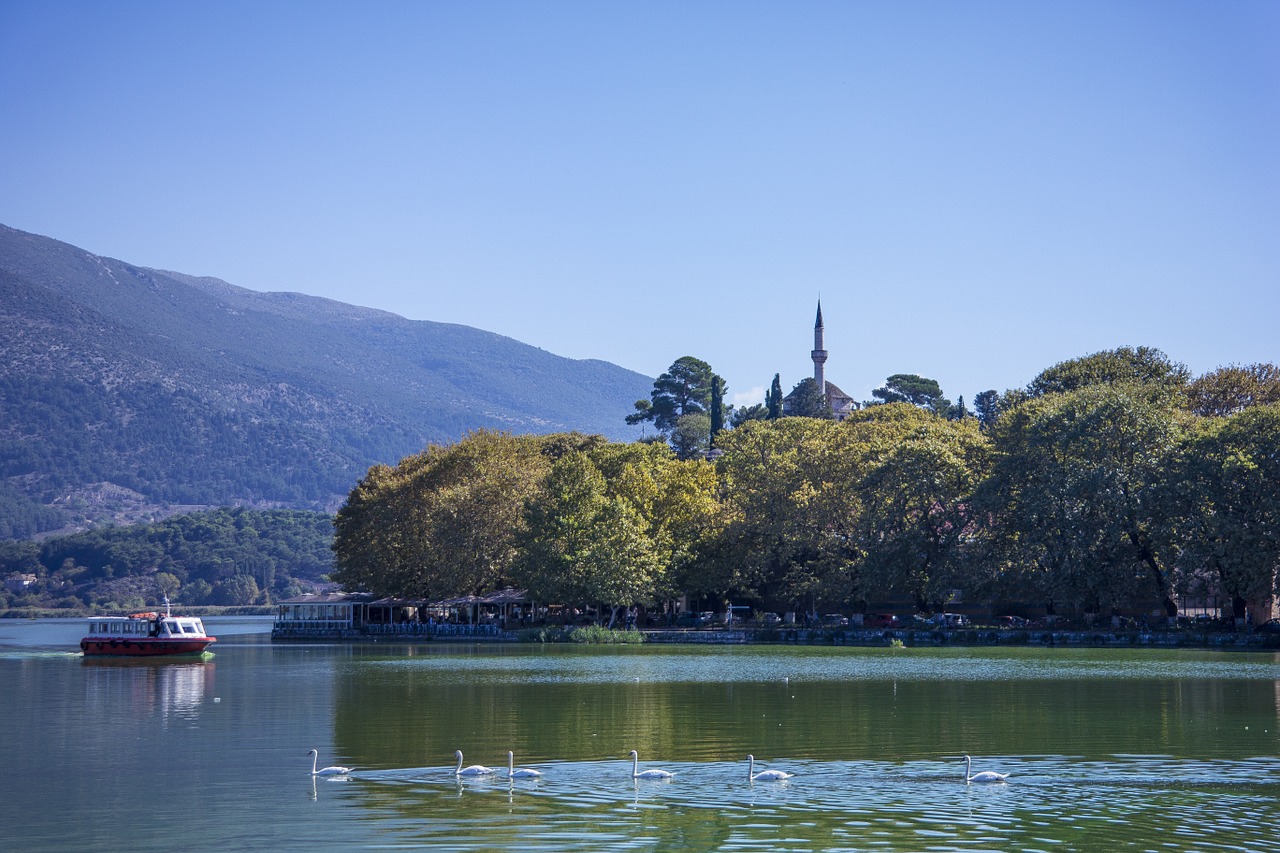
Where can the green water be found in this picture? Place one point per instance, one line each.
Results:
(1107, 749)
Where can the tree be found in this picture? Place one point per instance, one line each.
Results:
(984, 406)
(742, 414)
(806, 401)
(1080, 494)
(167, 584)
(917, 495)
(913, 389)
(1233, 389)
(643, 412)
(717, 408)
(787, 526)
(579, 543)
(1143, 365)
(958, 412)
(236, 590)
(773, 400)
(443, 522)
(675, 500)
(1229, 471)
(685, 389)
(691, 436)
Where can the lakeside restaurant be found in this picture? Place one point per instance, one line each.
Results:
(352, 615)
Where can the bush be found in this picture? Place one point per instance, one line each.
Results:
(547, 634)
(598, 634)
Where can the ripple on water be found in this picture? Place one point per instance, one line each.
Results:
(1051, 802)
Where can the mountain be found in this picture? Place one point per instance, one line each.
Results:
(128, 393)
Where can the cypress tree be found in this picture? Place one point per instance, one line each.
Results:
(717, 407)
(773, 400)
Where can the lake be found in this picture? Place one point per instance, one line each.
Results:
(1145, 750)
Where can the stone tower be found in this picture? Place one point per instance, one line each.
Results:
(819, 353)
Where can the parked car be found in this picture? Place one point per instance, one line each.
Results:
(770, 619)
(1271, 626)
(951, 620)
(695, 620)
(835, 620)
(880, 620)
(1011, 622)
(735, 615)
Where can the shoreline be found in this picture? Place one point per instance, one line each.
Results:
(869, 638)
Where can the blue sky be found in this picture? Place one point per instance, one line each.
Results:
(977, 190)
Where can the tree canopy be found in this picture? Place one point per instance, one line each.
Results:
(806, 400)
(1233, 389)
(685, 389)
(913, 389)
(1140, 365)
(1096, 491)
(224, 556)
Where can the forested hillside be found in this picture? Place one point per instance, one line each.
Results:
(223, 557)
(127, 393)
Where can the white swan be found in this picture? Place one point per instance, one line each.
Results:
(473, 770)
(523, 772)
(984, 776)
(325, 771)
(648, 774)
(765, 775)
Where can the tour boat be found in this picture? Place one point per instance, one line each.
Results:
(140, 634)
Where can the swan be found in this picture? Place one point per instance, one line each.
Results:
(523, 772)
(648, 774)
(765, 775)
(473, 770)
(984, 776)
(325, 771)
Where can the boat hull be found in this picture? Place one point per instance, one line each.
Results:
(144, 646)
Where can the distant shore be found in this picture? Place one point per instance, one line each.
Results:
(1189, 638)
(935, 637)
(865, 637)
(207, 610)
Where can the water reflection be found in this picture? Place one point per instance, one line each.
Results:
(143, 688)
(1106, 751)
(567, 710)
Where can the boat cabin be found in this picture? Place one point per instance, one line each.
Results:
(146, 625)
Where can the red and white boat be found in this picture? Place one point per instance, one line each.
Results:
(142, 634)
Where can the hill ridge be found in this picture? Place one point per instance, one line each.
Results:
(192, 390)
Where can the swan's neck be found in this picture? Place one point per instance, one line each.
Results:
(635, 765)
(968, 766)
(458, 769)
(315, 759)
(751, 766)
(511, 764)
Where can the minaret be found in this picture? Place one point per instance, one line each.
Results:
(819, 354)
